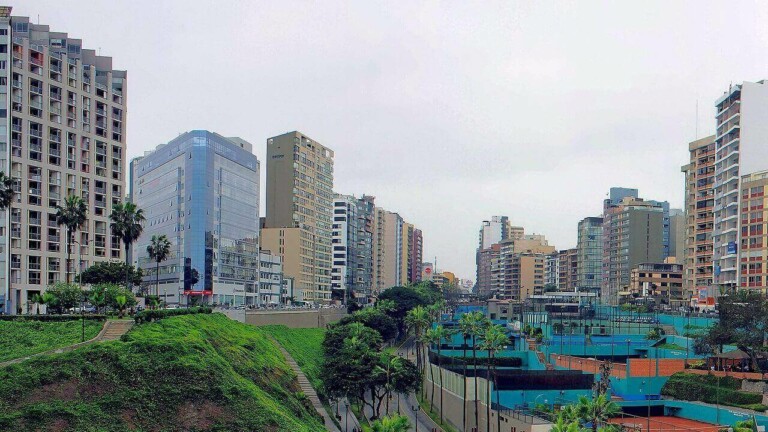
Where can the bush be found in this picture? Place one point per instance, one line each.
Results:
(53, 318)
(158, 314)
(705, 388)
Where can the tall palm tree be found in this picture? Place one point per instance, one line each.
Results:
(478, 323)
(159, 248)
(494, 340)
(6, 199)
(127, 223)
(418, 321)
(430, 337)
(72, 215)
(37, 299)
(441, 333)
(465, 328)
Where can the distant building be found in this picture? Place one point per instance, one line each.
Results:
(632, 234)
(589, 254)
(677, 227)
(660, 282)
(270, 288)
(753, 254)
(201, 190)
(410, 267)
(568, 269)
(699, 205)
(522, 264)
(299, 212)
(741, 149)
(387, 250)
(352, 270)
(552, 270)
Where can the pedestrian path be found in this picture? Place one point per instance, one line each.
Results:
(112, 330)
(307, 388)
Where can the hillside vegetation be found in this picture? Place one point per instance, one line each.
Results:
(187, 373)
(711, 389)
(24, 338)
(305, 345)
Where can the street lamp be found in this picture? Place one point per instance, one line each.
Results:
(346, 416)
(415, 410)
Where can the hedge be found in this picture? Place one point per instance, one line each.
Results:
(53, 318)
(459, 361)
(705, 388)
(150, 315)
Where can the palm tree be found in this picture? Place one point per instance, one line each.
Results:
(127, 223)
(73, 215)
(6, 199)
(430, 337)
(49, 300)
(418, 320)
(564, 425)
(393, 423)
(478, 323)
(494, 340)
(121, 300)
(441, 334)
(159, 248)
(36, 299)
(465, 328)
(596, 410)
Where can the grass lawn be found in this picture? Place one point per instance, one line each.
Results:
(305, 345)
(200, 372)
(24, 338)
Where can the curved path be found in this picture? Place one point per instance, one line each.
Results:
(112, 330)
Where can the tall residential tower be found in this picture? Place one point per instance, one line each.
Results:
(300, 210)
(63, 133)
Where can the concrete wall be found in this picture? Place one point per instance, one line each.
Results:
(311, 318)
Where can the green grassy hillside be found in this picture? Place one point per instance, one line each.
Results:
(305, 345)
(23, 338)
(187, 373)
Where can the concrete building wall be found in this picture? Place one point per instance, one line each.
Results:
(311, 318)
(63, 134)
(280, 240)
(300, 195)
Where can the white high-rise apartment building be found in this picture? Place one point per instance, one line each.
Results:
(741, 148)
(62, 132)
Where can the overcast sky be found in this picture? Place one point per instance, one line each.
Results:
(448, 112)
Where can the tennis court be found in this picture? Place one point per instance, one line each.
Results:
(664, 424)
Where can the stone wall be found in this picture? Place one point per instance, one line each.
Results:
(310, 318)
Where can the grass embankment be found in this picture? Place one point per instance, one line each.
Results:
(305, 345)
(24, 338)
(711, 389)
(187, 373)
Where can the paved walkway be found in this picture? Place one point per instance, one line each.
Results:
(112, 330)
(425, 421)
(306, 387)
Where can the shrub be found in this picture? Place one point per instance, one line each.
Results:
(158, 314)
(705, 388)
(53, 318)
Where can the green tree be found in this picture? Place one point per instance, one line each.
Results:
(72, 215)
(596, 410)
(465, 328)
(393, 423)
(121, 301)
(97, 297)
(110, 272)
(49, 300)
(376, 319)
(477, 325)
(65, 296)
(743, 322)
(7, 195)
(36, 299)
(159, 248)
(127, 223)
(494, 340)
(564, 425)
(404, 299)
(436, 336)
(418, 320)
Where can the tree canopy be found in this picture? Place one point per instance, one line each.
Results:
(111, 272)
(375, 319)
(743, 321)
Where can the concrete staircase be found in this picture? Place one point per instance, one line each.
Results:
(115, 329)
(307, 389)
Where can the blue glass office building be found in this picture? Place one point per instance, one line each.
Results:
(202, 191)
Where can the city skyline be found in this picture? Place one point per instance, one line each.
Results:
(478, 133)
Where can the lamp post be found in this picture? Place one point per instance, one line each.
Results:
(415, 410)
(346, 416)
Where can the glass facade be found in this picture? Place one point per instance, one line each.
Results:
(589, 249)
(202, 191)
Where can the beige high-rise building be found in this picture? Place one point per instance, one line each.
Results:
(299, 213)
(699, 204)
(63, 134)
(406, 253)
(387, 249)
(522, 266)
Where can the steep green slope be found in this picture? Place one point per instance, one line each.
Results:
(187, 373)
(305, 345)
(23, 338)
